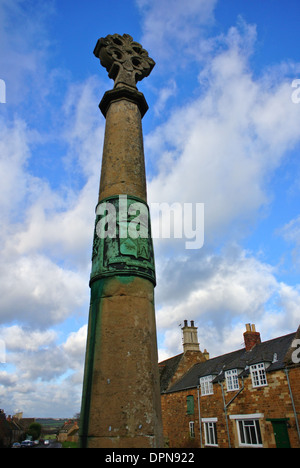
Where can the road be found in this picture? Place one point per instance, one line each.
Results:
(52, 444)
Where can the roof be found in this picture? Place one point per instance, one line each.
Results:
(167, 369)
(272, 352)
(5, 429)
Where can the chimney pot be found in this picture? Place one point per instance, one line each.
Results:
(190, 337)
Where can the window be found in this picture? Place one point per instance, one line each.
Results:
(206, 385)
(258, 374)
(249, 432)
(210, 431)
(190, 404)
(192, 429)
(232, 380)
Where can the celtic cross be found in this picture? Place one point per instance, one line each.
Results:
(125, 60)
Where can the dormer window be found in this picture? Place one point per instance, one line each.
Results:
(232, 380)
(206, 385)
(258, 375)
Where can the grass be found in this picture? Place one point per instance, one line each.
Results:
(69, 445)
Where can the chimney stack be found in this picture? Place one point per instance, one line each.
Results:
(190, 337)
(251, 337)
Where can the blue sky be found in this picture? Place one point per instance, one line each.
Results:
(222, 129)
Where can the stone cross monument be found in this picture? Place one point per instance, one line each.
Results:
(121, 397)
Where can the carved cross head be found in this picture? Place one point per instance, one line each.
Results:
(125, 60)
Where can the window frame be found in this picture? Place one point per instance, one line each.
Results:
(244, 421)
(258, 375)
(232, 380)
(206, 385)
(248, 430)
(192, 429)
(210, 432)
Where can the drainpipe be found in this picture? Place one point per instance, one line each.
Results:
(229, 403)
(292, 400)
(200, 425)
(240, 390)
(226, 416)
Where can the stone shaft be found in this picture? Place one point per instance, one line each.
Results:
(121, 398)
(123, 165)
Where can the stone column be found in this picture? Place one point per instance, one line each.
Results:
(121, 397)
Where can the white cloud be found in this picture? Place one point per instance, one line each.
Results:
(18, 339)
(47, 379)
(222, 287)
(36, 291)
(24, 49)
(170, 25)
(14, 155)
(170, 89)
(222, 148)
(291, 234)
(84, 130)
(7, 380)
(221, 293)
(75, 344)
(46, 237)
(46, 234)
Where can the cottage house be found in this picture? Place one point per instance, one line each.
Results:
(245, 398)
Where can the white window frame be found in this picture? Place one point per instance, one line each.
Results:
(210, 431)
(232, 380)
(206, 385)
(258, 375)
(248, 429)
(192, 429)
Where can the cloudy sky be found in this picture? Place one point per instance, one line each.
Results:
(222, 130)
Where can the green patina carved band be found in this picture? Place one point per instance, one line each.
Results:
(122, 239)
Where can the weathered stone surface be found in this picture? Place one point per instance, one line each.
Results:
(125, 60)
(117, 252)
(121, 398)
(123, 165)
(125, 375)
(124, 92)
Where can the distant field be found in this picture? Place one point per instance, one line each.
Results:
(49, 424)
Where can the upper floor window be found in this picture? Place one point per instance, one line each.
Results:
(258, 375)
(232, 380)
(206, 385)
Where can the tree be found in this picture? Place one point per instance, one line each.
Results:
(35, 430)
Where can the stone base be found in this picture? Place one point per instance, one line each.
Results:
(121, 403)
